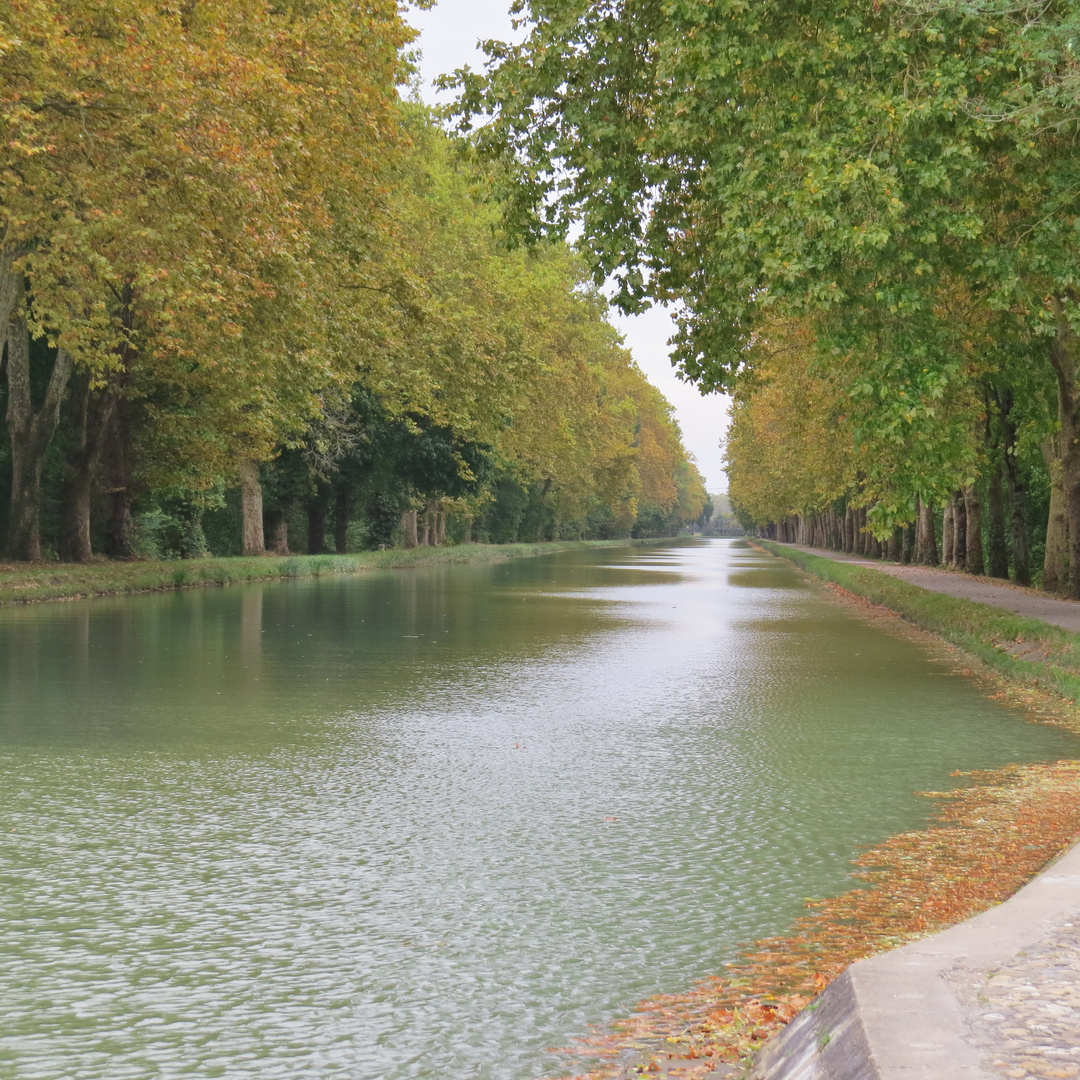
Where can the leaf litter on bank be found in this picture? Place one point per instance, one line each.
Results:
(988, 839)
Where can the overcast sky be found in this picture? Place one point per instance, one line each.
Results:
(448, 36)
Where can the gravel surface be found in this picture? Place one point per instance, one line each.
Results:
(1026, 1014)
(1002, 594)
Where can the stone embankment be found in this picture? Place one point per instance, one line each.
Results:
(997, 996)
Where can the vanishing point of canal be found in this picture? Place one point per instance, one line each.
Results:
(429, 823)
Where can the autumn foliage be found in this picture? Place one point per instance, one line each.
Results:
(227, 243)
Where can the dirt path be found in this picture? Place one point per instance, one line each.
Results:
(1001, 594)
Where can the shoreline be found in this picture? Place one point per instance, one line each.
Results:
(1022, 649)
(988, 839)
(37, 583)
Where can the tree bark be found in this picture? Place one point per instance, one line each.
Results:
(959, 544)
(342, 510)
(926, 551)
(31, 431)
(1063, 360)
(11, 284)
(1056, 561)
(973, 561)
(119, 539)
(408, 527)
(998, 550)
(276, 528)
(907, 550)
(895, 541)
(1020, 531)
(316, 525)
(251, 508)
(947, 532)
(93, 419)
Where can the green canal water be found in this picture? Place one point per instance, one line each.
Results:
(430, 823)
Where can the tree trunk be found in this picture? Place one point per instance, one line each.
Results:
(895, 542)
(342, 510)
(998, 553)
(73, 543)
(1063, 359)
(95, 412)
(251, 508)
(849, 530)
(11, 285)
(1020, 531)
(926, 551)
(947, 532)
(316, 525)
(74, 540)
(408, 527)
(30, 431)
(973, 562)
(959, 544)
(119, 529)
(1056, 562)
(93, 420)
(907, 550)
(440, 528)
(277, 531)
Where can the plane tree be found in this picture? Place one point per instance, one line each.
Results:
(857, 165)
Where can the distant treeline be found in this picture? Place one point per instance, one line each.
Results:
(974, 488)
(251, 299)
(719, 519)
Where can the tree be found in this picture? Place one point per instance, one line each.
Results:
(863, 164)
(167, 180)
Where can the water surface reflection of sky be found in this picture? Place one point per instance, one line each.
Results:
(430, 823)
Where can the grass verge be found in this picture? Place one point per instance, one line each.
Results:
(1020, 648)
(32, 583)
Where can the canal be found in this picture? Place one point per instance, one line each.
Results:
(431, 823)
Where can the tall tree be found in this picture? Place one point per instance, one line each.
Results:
(816, 157)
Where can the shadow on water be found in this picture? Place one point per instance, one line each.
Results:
(429, 824)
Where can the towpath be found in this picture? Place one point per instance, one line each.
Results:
(983, 590)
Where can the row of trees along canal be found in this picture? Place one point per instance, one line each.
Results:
(868, 217)
(247, 292)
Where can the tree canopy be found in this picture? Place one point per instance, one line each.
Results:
(232, 254)
(901, 178)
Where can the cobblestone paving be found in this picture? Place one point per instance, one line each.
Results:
(1027, 1013)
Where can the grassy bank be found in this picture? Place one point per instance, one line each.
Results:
(22, 583)
(1020, 648)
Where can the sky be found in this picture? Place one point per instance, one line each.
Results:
(449, 33)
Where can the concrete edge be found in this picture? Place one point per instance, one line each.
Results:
(897, 1016)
